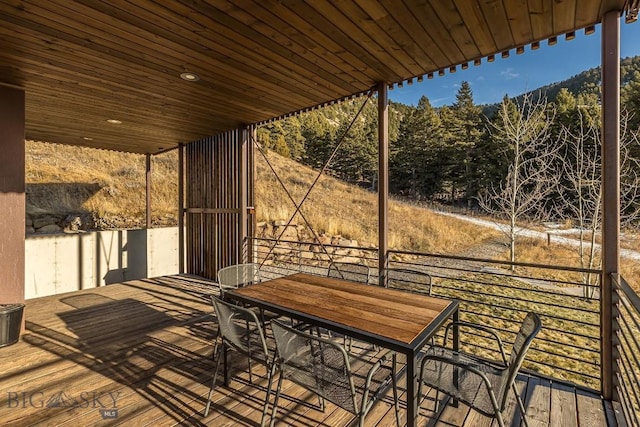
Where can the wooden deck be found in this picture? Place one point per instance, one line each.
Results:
(139, 353)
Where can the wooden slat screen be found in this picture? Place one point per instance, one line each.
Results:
(217, 171)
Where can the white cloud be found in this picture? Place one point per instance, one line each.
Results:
(480, 78)
(509, 74)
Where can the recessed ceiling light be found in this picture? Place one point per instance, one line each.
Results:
(190, 77)
(114, 121)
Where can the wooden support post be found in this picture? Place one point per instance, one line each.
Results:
(12, 195)
(243, 251)
(148, 189)
(181, 208)
(383, 180)
(610, 193)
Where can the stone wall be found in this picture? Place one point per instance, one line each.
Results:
(51, 223)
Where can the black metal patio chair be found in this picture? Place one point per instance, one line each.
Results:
(409, 280)
(349, 271)
(325, 368)
(482, 385)
(241, 331)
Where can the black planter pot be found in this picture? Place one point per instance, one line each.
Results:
(10, 323)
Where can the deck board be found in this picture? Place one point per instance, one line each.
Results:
(564, 411)
(149, 343)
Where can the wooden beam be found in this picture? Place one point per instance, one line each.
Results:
(383, 179)
(610, 192)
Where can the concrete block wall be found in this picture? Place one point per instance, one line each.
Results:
(59, 263)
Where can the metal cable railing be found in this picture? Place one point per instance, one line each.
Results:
(627, 362)
(490, 292)
(499, 294)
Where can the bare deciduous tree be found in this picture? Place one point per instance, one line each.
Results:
(581, 192)
(523, 130)
(582, 188)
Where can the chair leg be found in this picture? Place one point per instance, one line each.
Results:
(215, 345)
(225, 360)
(249, 357)
(272, 370)
(213, 384)
(521, 405)
(275, 402)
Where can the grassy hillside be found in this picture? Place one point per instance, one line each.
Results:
(105, 185)
(336, 208)
(110, 187)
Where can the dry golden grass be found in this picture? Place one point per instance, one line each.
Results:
(66, 179)
(538, 251)
(569, 338)
(336, 208)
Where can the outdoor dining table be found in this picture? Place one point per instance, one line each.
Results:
(394, 319)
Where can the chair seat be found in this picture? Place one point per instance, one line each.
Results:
(459, 382)
(329, 377)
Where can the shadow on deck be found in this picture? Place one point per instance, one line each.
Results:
(139, 353)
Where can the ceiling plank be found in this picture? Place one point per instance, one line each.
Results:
(477, 26)
(541, 17)
(564, 15)
(494, 12)
(519, 22)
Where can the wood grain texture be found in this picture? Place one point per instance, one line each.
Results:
(388, 313)
(84, 62)
(563, 406)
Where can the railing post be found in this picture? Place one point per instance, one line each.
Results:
(383, 180)
(610, 192)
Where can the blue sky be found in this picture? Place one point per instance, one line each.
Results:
(520, 73)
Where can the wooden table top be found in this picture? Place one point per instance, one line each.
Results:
(395, 315)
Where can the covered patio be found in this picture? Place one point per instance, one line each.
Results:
(198, 77)
(139, 353)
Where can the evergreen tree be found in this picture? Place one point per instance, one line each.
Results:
(414, 166)
(491, 157)
(292, 133)
(357, 159)
(464, 130)
(630, 99)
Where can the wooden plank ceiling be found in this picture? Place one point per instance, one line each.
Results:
(86, 61)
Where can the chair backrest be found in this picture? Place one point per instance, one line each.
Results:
(240, 328)
(349, 271)
(317, 364)
(235, 276)
(530, 327)
(410, 280)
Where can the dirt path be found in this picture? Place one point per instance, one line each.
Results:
(543, 235)
(493, 248)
